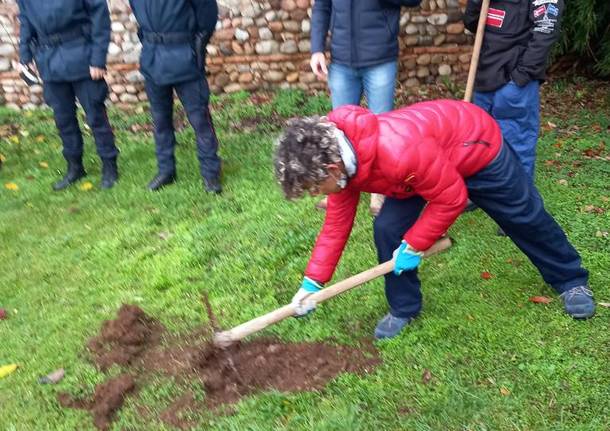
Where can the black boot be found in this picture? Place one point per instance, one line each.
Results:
(110, 173)
(162, 180)
(212, 185)
(76, 171)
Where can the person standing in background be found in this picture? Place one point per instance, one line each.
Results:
(68, 41)
(519, 35)
(364, 55)
(174, 35)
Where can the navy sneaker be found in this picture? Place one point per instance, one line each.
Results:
(390, 326)
(578, 302)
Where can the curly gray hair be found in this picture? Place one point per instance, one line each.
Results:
(303, 151)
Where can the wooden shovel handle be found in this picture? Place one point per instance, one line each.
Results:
(225, 338)
(476, 51)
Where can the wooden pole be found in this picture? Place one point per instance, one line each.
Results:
(476, 51)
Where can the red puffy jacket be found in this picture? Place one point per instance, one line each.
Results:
(426, 149)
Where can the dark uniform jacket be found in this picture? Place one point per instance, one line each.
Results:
(167, 31)
(363, 33)
(65, 37)
(518, 38)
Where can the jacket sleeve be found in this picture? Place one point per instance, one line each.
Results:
(439, 183)
(320, 22)
(206, 12)
(26, 34)
(545, 30)
(340, 214)
(100, 31)
(471, 15)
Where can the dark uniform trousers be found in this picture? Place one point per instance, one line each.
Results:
(194, 96)
(61, 97)
(507, 194)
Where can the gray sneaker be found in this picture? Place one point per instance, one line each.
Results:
(390, 326)
(578, 302)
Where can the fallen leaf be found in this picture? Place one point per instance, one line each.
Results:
(11, 186)
(485, 275)
(86, 186)
(3, 314)
(604, 304)
(2, 158)
(594, 209)
(52, 378)
(7, 369)
(504, 391)
(601, 234)
(14, 139)
(43, 165)
(40, 139)
(603, 198)
(563, 182)
(540, 299)
(426, 377)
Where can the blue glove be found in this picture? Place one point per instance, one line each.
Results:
(406, 258)
(302, 305)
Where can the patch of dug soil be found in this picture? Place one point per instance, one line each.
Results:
(132, 341)
(268, 364)
(107, 399)
(122, 340)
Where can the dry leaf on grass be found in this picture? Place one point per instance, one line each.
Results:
(11, 186)
(426, 376)
(540, 299)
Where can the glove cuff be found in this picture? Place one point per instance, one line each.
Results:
(406, 248)
(311, 285)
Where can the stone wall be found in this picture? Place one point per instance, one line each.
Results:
(259, 45)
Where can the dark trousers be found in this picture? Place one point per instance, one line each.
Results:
(61, 97)
(507, 194)
(194, 96)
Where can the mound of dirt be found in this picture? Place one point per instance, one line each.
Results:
(125, 338)
(133, 342)
(107, 399)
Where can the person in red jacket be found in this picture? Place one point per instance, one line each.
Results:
(427, 159)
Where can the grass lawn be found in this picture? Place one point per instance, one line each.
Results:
(498, 362)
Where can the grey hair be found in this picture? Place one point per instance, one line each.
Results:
(302, 153)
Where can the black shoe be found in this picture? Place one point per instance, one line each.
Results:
(212, 185)
(110, 173)
(76, 171)
(162, 180)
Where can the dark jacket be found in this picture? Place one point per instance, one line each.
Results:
(518, 38)
(363, 32)
(167, 32)
(65, 37)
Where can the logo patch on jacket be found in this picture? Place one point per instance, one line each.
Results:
(552, 10)
(539, 11)
(495, 17)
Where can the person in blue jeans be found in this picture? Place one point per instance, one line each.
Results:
(364, 54)
(519, 35)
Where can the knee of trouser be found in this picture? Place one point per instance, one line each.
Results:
(66, 121)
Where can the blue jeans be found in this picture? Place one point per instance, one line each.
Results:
(61, 97)
(377, 83)
(194, 96)
(505, 192)
(517, 111)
